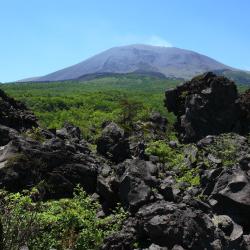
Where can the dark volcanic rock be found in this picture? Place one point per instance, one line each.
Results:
(61, 166)
(166, 225)
(124, 240)
(211, 212)
(204, 106)
(136, 180)
(244, 102)
(69, 132)
(57, 162)
(232, 192)
(6, 134)
(14, 114)
(159, 122)
(113, 144)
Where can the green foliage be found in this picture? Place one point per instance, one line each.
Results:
(129, 112)
(225, 148)
(88, 104)
(174, 158)
(171, 157)
(62, 224)
(35, 134)
(189, 176)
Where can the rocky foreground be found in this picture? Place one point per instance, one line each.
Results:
(196, 198)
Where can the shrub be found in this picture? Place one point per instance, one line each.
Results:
(129, 111)
(225, 147)
(171, 157)
(174, 158)
(61, 224)
(35, 134)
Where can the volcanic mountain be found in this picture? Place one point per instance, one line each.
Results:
(168, 62)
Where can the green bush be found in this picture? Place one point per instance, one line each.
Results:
(62, 224)
(171, 157)
(224, 147)
(35, 134)
(174, 158)
(189, 176)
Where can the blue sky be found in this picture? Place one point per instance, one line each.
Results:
(40, 36)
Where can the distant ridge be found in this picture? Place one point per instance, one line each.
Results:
(170, 62)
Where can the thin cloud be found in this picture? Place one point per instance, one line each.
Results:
(158, 41)
(136, 39)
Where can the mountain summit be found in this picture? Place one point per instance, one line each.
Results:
(168, 61)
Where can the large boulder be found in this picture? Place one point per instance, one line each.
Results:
(14, 114)
(69, 132)
(6, 134)
(232, 195)
(137, 178)
(113, 143)
(158, 122)
(55, 163)
(204, 106)
(166, 225)
(125, 239)
(244, 102)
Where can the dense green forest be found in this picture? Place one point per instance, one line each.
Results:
(88, 104)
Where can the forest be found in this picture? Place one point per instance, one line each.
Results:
(88, 104)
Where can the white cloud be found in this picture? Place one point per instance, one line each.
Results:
(136, 39)
(158, 41)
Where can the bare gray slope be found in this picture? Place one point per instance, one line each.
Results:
(172, 62)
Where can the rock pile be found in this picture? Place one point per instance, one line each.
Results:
(14, 114)
(165, 212)
(113, 143)
(208, 105)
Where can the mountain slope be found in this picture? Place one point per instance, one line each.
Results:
(171, 62)
(239, 76)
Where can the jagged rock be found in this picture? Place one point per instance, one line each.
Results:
(232, 193)
(113, 144)
(168, 224)
(158, 121)
(208, 180)
(1, 236)
(246, 242)
(107, 188)
(69, 132)
(156, 247)
(58, 185)
(173, 144)
(206, 141)
(232, 230)
(14, 114)
(245, 162)
(25, 163)
(124, 239)
(161, 215)
(6, 134)
(244, 103)
(177, 247)
(166, 189)
(204, 106)
(136, 180)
